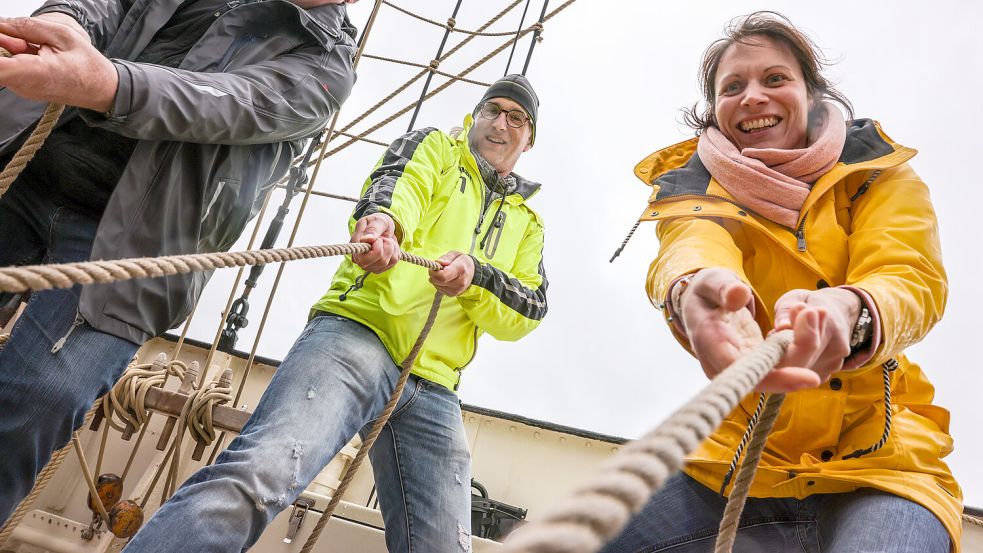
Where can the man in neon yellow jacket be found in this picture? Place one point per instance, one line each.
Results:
(433, 195)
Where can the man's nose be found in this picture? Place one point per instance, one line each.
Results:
(499, 122)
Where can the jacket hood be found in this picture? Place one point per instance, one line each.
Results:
(522, 186)
(678, 170)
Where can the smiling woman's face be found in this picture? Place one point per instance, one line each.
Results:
(761, 96)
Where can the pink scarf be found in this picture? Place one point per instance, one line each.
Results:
(771, 182)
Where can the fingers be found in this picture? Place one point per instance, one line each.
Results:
(456, 275)
(788, 306)
(377, 230)
(789, 379)
(38, 31)
(16, 45)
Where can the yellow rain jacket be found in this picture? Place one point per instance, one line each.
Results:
(878, 235)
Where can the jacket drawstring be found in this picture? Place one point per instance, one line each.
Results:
(740, 447)
(888, 366)
(625, 241)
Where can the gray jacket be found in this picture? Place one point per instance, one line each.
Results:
(213, 136)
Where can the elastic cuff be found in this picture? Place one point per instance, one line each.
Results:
(862, 357)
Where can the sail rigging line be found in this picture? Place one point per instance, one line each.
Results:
(329, 195)
(600, 508)
(369, 140)
(376, 429)
(537, 27)
(432, 67)
(538, 37)
(419, 75)
(515, 41)
(359, 118)
(450, 26)
(33, 143)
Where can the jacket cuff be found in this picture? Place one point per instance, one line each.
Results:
(70, 9)
(673, 316)
(862, 357)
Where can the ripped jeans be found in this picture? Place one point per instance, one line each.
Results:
(333, 382)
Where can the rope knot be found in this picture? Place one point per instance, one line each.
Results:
(451, 22)
(434, 64)
(4, 53)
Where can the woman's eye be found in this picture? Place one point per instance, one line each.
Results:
(731, 88)
(774, 79)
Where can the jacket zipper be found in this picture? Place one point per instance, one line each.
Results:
(800, 234)
(75, 324)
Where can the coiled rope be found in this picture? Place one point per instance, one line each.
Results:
(599, 510)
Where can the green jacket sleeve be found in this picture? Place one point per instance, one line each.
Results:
(510, 304)
(402, 184)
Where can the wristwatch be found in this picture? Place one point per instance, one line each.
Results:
(861, 331)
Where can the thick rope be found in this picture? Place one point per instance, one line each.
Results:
(973, 520)
(381, 421)
(33, 142)
(601, 508)
(41, 481)
(66, 275)
(727, 532)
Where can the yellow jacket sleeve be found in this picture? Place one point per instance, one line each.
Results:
(896, 257)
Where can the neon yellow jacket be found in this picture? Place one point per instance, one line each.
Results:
(881, 238)
(431, 185)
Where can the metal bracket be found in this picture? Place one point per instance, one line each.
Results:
(301, 506)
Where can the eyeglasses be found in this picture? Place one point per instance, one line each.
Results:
(514, 117)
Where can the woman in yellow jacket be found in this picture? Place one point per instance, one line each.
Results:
(781, 214)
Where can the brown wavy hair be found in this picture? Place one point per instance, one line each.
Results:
(778, 28)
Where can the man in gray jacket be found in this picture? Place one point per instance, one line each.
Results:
(181, 115)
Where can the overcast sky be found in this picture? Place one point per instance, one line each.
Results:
(612, 77)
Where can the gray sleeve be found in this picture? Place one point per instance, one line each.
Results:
(289, 97)
(100, 18)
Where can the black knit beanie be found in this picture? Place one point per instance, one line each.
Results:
(515, 87)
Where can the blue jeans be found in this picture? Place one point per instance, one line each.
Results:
(333, 382)
(684, 516)
(45, 395)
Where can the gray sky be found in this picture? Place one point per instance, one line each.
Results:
(612, 77)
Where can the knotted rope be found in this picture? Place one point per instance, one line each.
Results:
(126, 399)
(601, 508)
(33, 142)
(376, 429)
(450, 25)
(66, 275)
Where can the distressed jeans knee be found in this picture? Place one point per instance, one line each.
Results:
(335, 379)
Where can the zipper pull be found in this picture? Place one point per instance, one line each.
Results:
(800, 239)
(357, 285)
(61, 342)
